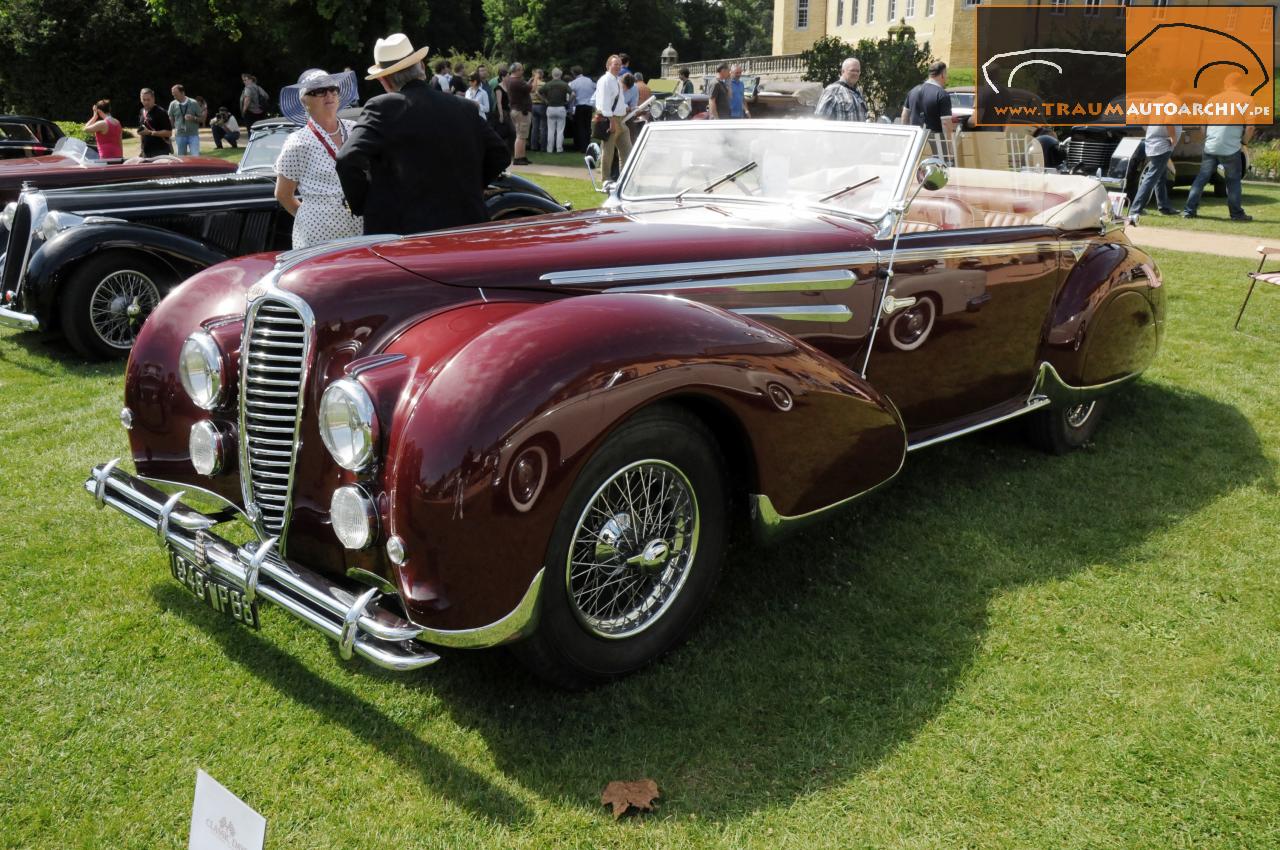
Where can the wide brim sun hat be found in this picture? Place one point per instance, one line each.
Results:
(394, 53)
(315, 78)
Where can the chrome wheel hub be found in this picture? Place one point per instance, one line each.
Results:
(1079, 414)
(632, 549)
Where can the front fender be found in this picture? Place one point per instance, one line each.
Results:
(53, 262)
(518, 204)
(556, 379)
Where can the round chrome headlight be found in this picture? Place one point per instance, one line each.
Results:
(347, 423)
(55, 221)
(655, 110)
(202, 370)
(684, 109)
(353, 517)
(6, 217)
(207, 447)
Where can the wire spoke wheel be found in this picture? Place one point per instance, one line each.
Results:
(119, 304)
(632, 548)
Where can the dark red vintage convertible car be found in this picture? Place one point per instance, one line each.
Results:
(538, 434)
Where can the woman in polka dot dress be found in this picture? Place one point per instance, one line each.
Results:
(306, 180)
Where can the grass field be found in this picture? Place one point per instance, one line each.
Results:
(1001, 650)
(1260, 200)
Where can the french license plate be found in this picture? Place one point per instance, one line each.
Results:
(214, 592)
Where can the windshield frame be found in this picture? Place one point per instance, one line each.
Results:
(915, 137)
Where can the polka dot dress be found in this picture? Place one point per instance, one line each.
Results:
(322, 216)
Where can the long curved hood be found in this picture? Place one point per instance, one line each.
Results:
(519, 255)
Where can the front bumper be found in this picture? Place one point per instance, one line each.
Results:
(358, 623)
(14, 319)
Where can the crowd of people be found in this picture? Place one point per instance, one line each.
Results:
(342, 178)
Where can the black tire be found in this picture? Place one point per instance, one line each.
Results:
(107, 299)
(1059, 430)
(585, 635)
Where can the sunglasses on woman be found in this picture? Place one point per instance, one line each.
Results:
(323, 91)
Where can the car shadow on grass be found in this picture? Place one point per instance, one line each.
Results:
(822, 655)
(49, 353)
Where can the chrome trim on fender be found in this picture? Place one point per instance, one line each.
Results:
(816, 313)
(384, 637)
(669, 271)
(1034, 403)
(836, 279)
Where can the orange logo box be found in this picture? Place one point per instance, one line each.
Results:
(1200, 64)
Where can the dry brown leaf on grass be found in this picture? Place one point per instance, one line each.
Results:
(625, 795)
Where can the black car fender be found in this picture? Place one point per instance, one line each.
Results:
(515, 204)
(54, 261)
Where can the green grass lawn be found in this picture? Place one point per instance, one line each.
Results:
(1001, 650)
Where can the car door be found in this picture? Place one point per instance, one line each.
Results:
(960, 336)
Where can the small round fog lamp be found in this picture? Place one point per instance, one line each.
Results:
(353, 516)
(206, 448)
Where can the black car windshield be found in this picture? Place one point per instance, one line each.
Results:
(16, 132)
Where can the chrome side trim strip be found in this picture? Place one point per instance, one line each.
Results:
(1033, 403)
(835, 279)
(969, 252)
(162, 208)
(816, 313)
(672, 271)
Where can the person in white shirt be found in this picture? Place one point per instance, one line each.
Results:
(584, 95)
(478, 94)
(611, 103)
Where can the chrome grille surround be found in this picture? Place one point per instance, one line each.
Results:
(275, 359)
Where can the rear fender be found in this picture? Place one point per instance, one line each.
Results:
(1107, 319)
(502, 382)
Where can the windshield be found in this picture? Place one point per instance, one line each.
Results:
(73, 148)
(16, 133)
(963, 99)
(263, 150)
(794, 161)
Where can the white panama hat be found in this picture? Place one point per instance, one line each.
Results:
(394, 53)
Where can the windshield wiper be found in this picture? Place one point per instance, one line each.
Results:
(732, 175)
(850, 188)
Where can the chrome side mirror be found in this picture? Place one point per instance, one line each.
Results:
(591, 160)
(932, 174)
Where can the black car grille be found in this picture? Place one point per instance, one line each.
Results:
(1087, 156)
(16, 247)
(275, 351)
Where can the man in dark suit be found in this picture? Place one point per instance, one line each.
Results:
(417, 159)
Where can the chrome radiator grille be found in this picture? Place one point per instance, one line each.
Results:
(274, 359)
(16, 247)
(1092, 155)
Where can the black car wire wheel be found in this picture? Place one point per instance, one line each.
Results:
(632, 549)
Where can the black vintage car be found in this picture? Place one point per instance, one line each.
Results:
(1116, 153)
(24, 136)
(93, 262)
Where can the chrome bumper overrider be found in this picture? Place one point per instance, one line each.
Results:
(14, 319)
(359, 625)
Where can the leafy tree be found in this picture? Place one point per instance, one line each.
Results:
(891, 66)
(822, 60)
